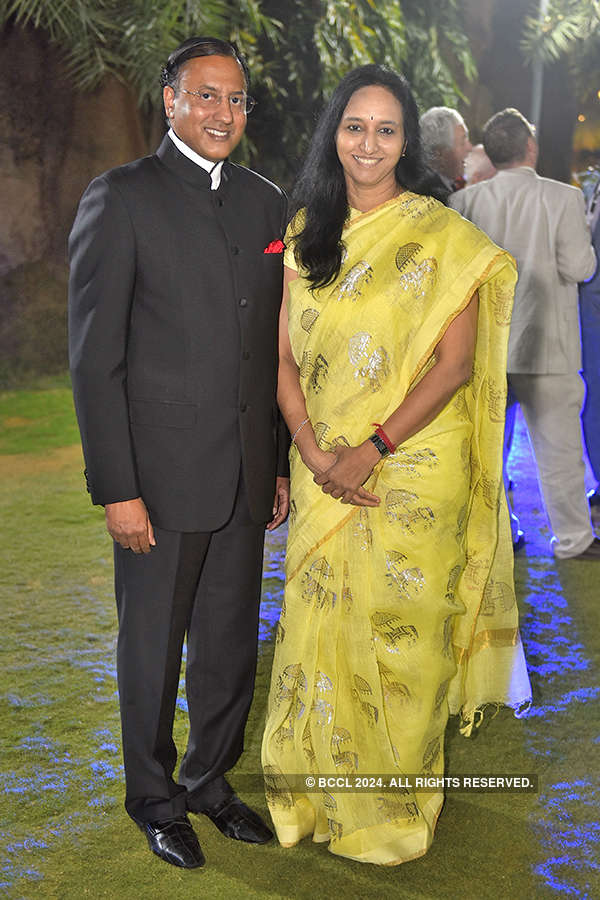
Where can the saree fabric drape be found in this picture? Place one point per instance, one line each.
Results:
(397, 615)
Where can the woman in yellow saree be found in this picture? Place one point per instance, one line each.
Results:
(399, 603)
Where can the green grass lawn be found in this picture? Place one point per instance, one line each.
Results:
(64, 832)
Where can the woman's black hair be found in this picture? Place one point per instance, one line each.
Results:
(321, 187)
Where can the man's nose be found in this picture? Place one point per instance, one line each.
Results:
(224, 111)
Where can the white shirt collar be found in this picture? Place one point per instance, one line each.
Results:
(213, 169)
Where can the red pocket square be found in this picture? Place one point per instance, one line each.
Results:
(275, 247)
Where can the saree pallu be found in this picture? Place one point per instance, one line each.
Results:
(397, 615)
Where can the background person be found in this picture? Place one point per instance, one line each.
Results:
(589, 308)
(445, 139)
(542, 223)
(478, 165)
(173, 310)
(395, 311)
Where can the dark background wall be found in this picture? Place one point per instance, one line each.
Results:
(53, 140)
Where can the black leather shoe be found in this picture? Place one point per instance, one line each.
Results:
(590, 553)
(236, 820)
(175, 841)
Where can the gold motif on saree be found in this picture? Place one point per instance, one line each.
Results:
(307, 744)
(315, 588)
(489, 488)
(405, 581)
(343, 758)
(284, 733)
(323, 682)
(452, 580)
(277, 790)
(460, 405)
(476, 571)
(371, 367)
(293, 510)
(355, 280)
(361, 530)
(496, 398)
(314, 371)
(347, 597)
(320, 429)
(410, 462)
(290, 681)
(431, 755)
(412, 810)
(419, 278)
(336, 829)
(329, 802)
(405, 253)
(502, 301)
(465, 454)
(323, 712)
(401, 506)
(441, 695)
(497, 593)
(362, 687)
(389, 808)
(447, 638)
(430, 214)
(392, 688)
(308, 319)
(392, 632)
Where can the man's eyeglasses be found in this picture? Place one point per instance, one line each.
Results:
(238, 103)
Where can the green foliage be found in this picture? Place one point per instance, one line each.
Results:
(571, 29)
(296, 52)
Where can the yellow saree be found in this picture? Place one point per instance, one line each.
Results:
(393, 616)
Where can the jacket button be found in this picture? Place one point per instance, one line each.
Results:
(243, 302)
(243, 407)
(246, 354)
(235, 250)
(219, 201)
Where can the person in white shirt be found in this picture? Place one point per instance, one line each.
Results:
(542, 223)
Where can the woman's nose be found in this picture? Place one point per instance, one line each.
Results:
(368, 141)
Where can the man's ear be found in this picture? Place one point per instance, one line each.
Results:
(169, 101)
(532, 151)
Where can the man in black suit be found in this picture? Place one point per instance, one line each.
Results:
(175, 288)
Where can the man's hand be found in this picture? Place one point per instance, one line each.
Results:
(128, 524)
(281, 503)
(344, 479)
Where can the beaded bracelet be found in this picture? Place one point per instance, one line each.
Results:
(299, 429)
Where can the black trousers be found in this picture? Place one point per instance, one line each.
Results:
(206, 586)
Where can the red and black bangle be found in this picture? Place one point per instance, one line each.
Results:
(383, 436)
(381, 440)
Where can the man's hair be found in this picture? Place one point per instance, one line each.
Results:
(199, 46)
(437, 129)
(505, 137)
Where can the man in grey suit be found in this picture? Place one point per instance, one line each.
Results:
(542, 223)
(174, 297)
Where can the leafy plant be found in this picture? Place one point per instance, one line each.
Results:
(571, 29)
(296, 51)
